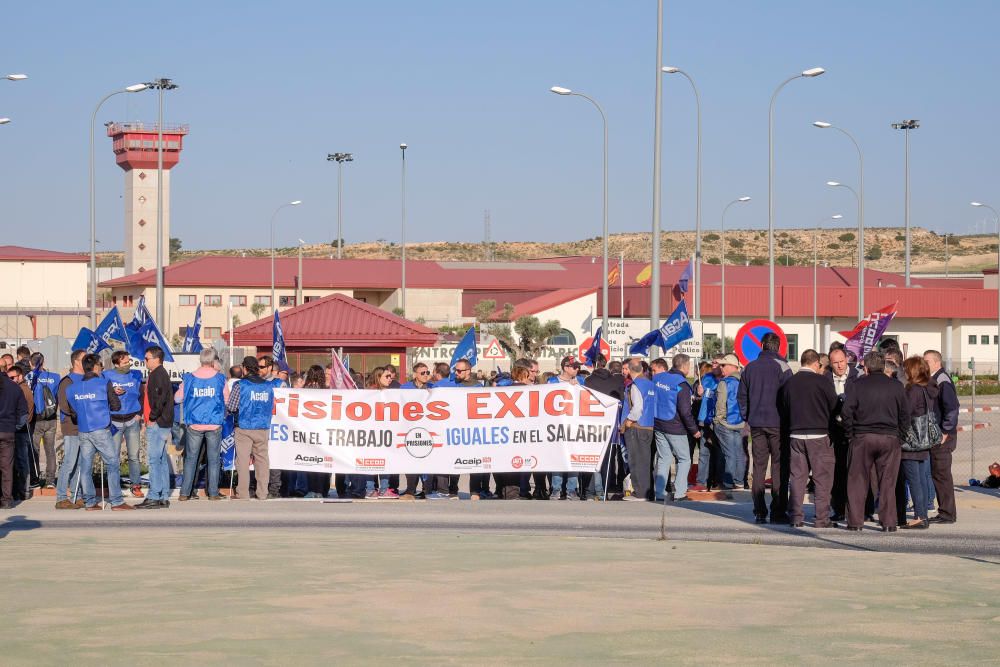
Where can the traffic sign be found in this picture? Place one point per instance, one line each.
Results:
(748, 339)
(494, 351)
(585, 345)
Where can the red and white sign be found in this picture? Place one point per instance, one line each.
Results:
(494, 351)
(585, 345)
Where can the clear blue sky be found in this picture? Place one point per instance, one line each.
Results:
(270, 88)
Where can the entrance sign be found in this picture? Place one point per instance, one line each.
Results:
(748, 339)
(441, 431)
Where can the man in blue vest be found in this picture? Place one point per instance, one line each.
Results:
(68, 480)
(91, 401)
(252, 401)
(203, 394)
(127, 421)
(638, 429)
(673, 423)
(46, 416)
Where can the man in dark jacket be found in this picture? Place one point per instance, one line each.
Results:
(608, 380)
(876, 418)
(758, 398)
(841, 376)
(13, 415)
(672, 424)
(944, 485)
(808, 402)
(160, 395)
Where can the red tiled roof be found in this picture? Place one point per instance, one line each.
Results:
(545, 301)
(15, 253)
(338, 321)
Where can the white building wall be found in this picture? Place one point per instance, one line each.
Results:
(35, 284)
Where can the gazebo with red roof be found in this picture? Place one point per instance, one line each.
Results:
(371, 336)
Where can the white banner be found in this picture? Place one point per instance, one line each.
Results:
(542, 428)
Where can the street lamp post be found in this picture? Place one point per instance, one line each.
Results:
(906, 126)
(274, 304)
(12, 77)
(160, 85)
(996, 217)
(654, 296)
(135, 88)
(340, 159)
(402, 304)
(299, 298)
(861, 247)
(815, 283)
(861, 216)
(807, 74)
(722, 240)
(558, 90)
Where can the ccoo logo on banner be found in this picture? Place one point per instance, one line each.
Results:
(557, 427)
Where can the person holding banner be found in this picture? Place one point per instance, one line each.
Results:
(638, 429)
(203, 395)
(127, 422)
(91, 400)
(251, 400)
(569, 372)
(71, 440)
(672, 424)
(44, 387)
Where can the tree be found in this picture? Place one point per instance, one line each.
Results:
(708, 238)
(498, 327)
(874, 253)
(533, 333)
(846, 238)
(713, 345)
(833, 246)
(398, 311)
(258, 309)
(236, 321)
(175, 248)
(735, 243)
(714, 260)
(337, 243)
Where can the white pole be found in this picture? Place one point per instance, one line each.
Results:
(654, 297)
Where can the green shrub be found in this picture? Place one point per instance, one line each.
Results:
(846, 238)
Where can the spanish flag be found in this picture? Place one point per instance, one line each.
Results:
(645, 276)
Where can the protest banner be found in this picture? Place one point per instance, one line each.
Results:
(540, 428)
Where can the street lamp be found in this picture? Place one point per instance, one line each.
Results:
(300, 296)
(4, 121)
(135, 88)
(274, 304)
(996, 218)
(722, 240)
(861, 248)
(340, 159)
(160, 85)
(558, 90)
(805, 74)
(861, 214)
(697, 210)
(815, 282)
(402, 299)
(16, 77)
(906, 126)
(654, 297)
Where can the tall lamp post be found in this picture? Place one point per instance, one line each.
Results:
(12, 77)
(906, 126)
(274, 304)
(861, 248)
(135, 88)
(697, 187)
(340, 159)
(654, 296)
(816, 282)
(996, 218)
(805, 74)
(558, 90)
(722, 240)
(861, 214)
(159, 85)
(299, 297)
(402, 149)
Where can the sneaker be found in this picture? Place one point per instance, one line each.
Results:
(6, 505)
(312, 494)
(372, 495)
(137, 491)
(148, 504)
(50, 485)
(96, 507)
(435, 495)
(634, 498)
(79, 503)
(164, 503)
(487, 495)
(332, 494)
(218, 497)
(121, 507)
(66, 505)
(388, 494)
(273, 496)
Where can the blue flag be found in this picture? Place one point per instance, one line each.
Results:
(675, 330)
(595, 349)
(278, 351)
(228, 451)
(148, 336)
(192, 339)
(88, 340)
(139, 318)
(466, 349)
(682, 282)
(112, 328)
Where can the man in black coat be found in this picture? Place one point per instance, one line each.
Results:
(608, 380)
(808, 401)
(944, 485)
(876, 418)
(13, 415)
(841, 375)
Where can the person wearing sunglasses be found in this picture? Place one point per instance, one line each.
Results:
(435, 486)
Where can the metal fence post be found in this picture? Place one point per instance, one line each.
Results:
(972, 439)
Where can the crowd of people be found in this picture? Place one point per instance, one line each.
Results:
(869, 438)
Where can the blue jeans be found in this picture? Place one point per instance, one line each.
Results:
(129, 431)
(212, 440)
(731, 447)
(706, 460)
(928, 481)
(667, 445)
(572, 482)
(913, 474)
(69, 470)
(100, 442)
(159, 462)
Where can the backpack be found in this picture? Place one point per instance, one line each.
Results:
(924, 432)
(50, 409)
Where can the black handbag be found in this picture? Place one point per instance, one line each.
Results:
(925, 431)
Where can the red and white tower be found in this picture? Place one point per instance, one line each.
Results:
(135, 147)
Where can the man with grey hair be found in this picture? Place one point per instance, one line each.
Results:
(876, 417)
(203, 393)
(673, 423)
(638, 429)
(940, 463)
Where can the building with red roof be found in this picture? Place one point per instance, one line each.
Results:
(43, 292)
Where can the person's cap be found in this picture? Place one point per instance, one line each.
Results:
(730, 360)
(569, 361)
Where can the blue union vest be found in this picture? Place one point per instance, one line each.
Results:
(648, 391)
(667, 387)
(130, 383)
(256, 403)
(203, 400)
(89, 398)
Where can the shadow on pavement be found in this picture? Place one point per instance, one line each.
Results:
(18, 522)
